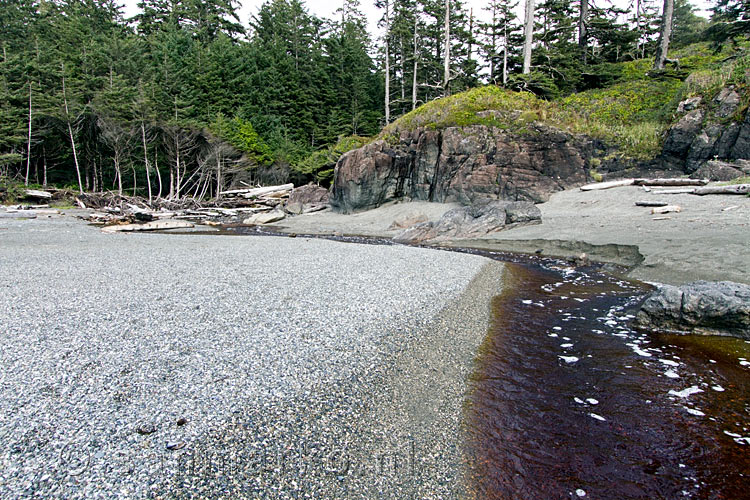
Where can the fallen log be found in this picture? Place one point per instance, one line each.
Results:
(249, 193)
(732, 189)
(607, 185)
(647, 203)
(148, 226)
(35, 193)
(671, 182)
(687, 190)
(666, 209)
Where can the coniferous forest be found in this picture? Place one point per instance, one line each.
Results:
(182, 100)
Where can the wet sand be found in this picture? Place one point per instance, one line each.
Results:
(709, 239)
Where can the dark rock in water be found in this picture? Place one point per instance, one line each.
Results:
(473, 221)
(702, 307)
(307, 197)
(461, 164)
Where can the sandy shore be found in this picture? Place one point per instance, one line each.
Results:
(709, 239)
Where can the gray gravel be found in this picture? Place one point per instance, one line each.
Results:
(153, 365)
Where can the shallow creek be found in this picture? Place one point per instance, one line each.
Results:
(568, 401)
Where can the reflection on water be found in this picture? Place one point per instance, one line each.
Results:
(568, 401)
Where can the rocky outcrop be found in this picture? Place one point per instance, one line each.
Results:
(717, 170)
(472, 221)
(708, 130)
(703, 307)
(307, 198)
(461, 164)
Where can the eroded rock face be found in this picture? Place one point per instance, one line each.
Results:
(703, 307)
(460, 165)
(706, 131)
(473, 221)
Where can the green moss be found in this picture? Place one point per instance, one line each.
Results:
(320, 163)
(489, 105)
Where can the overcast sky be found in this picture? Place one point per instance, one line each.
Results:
(327, 8)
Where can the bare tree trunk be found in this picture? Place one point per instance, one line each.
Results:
(145, 160)
(505, 51)
(135, 181)
(158, 174)
(387, 63)
(28, 144)
(95, 178)
(414, 75)
(528, 33)
(218, 173)
(447, 56)
(583, 29)
(44, 164)
(118, 174)
(70, 132)
(664, 33)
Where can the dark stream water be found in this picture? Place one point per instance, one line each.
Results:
(568, 401)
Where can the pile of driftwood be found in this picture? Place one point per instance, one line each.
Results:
(673, 186)
(114, 209)
(680, 186)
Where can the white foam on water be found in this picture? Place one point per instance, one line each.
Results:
(557, 328)
(565, 346)
(695, 412)
(686, 392)
(711, 361)
(598, 417)
(717, 388)
(581, 493)
(568, 359)
(638, 350)
(527, 302)
(566, 338)
(579, 300)
(578, 400)
(732, 434)
(671, 374)
(745, 363)
(552, 335)
(592, 401)
(669, 362)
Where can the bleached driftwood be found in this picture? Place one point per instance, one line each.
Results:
(666, 209)
(35, 193)
(732, 189)
(671, 182)
(648, 203)
(148, 226)
(607, 185)
(686, 190)
(255, 192)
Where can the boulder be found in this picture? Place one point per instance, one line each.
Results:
(460, 164)
(305, 197)
(473, 221)
(717, 170)
(701, 307)
(265, 217)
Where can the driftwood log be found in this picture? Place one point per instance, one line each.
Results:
(671, 182)
(732, 189)
(647, 203)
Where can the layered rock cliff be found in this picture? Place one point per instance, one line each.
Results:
(461, 164)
